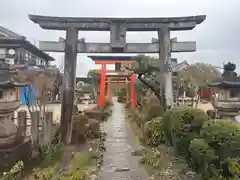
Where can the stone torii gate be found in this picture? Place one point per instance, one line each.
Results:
(118, 28)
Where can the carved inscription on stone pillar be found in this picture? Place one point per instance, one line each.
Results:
(118, 35)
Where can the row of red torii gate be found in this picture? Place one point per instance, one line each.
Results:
(118, 75)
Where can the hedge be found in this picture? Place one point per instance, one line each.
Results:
(202, 155)
(223, 136)
(211, 146)
(153, 111)
(153, 132)
(181, 126)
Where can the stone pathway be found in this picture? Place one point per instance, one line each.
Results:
(118, 164)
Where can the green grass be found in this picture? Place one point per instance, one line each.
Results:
(82, 161)
(52, 162)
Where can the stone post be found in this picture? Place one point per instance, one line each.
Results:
(48, 128)
(35, 127)
(69, 84)
(22, 122)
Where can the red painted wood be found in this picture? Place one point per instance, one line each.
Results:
(102, 85)
(112, 62)
(133, 92)
(127, 96)
(109, 90)
(121, 82)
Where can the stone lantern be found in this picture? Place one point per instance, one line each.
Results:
(227, 97)
(13, 145)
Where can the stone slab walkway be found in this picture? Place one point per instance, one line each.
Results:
(118, 164)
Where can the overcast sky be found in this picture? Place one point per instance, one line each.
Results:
(217, 38)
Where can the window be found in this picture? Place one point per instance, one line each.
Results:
(234, 93)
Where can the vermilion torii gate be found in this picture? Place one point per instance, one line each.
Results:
(117, 61)
(118, 81)
(118, 28)
(121, 78)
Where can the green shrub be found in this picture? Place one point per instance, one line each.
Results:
(153, 132)
(234, 165)
(182, 125)
(223, 136)
(135, 116)
(153, 111)
(16, 172)
(202, 155)
(182, 145)
(50, 153)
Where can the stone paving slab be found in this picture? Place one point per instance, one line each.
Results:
(118, 164)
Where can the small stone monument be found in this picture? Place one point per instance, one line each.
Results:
(13, 145)
(227, 97)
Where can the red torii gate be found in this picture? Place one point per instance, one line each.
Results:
(117, 60)
(120, 81)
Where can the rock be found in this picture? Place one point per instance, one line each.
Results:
(79, 128)
(136, 153)
(190, 174)
(93, 177)
(93, 128)
(122, 169)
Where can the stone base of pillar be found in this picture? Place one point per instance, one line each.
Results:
(18, 151)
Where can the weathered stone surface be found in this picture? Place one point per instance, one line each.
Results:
(94, 114)
(13, 153)
(93, 128)
(104, 24)
(89, 47)
(69, 83)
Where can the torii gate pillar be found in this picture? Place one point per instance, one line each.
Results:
(69, 84)
(109, 95)
(127, 91)
(133, 92)
(102, 85)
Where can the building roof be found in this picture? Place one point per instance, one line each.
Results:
(232, 82)
(10, 39)
(4, 32)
